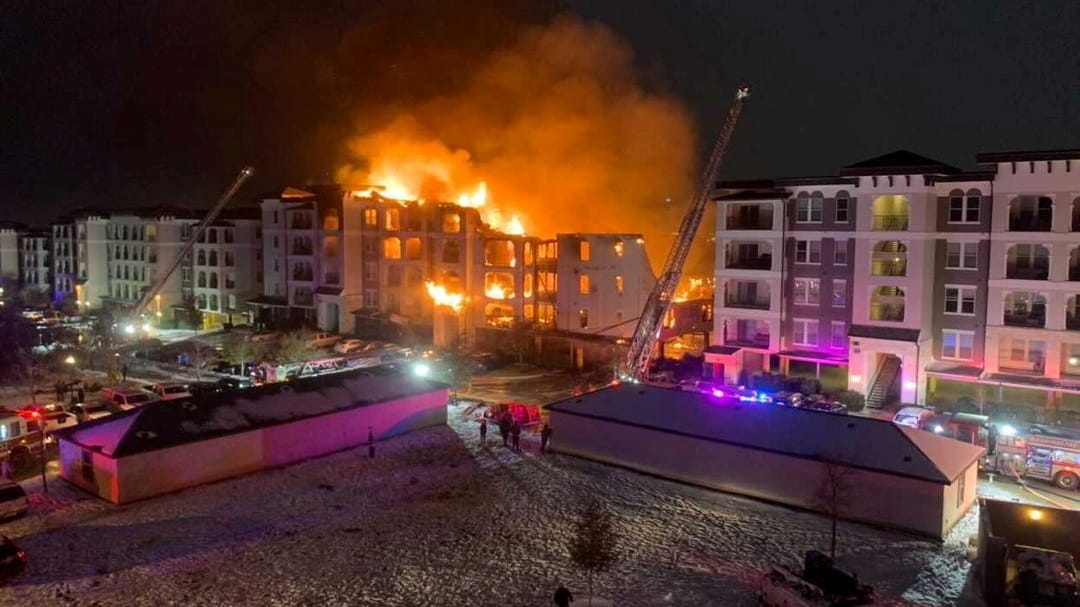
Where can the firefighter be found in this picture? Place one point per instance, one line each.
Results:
(483, 431)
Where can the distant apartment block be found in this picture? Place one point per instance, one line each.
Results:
(907, 279)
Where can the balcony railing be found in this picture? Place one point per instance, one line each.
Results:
(888, 268)
(302, 250)
(303, 276)
(761, 262)
(749, 223)
(749, 303)
(889, 223)
(751, 341)
(887, 312)
(1026, 272)
(1030, 224)
(1026, 320)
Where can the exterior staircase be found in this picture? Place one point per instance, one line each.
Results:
(884, 384)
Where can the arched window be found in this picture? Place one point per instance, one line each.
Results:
(887, 304)
(889, 258)
(413, 248)
(213, 258)
(890, 213)
(202, 280)
(213, 280)
(200, 258)
(214, 303)
(212, 236)
(1031, 214)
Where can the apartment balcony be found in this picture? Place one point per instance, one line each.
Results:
(749, 217)
(889, 223)
(750, 341)
(1030, 222)
(332, 278)
(301, 250)
(761, 262)
(890, 267)
(888, 312)
(1072, 321)
(1026, 320)
(303, 276)
(747, 303)
(1027, 272)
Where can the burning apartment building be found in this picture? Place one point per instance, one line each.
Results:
(363, 262)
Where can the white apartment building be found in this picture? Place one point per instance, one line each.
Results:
(1033, 313)
(9, 258)
(749, 282)
(65, 275)
(141, 245)
(602, 282)
(225, 268)
(35, 254)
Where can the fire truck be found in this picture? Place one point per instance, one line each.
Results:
(20, 436)
(1047, 458)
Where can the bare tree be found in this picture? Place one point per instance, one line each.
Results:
(593, 546)
(292, 348)
(834, 494)
(241, 352)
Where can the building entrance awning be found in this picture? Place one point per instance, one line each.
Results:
(889, 333)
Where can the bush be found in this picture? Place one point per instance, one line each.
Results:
(853, 400)
(766, 382)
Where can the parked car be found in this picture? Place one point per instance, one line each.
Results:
(349, 345)
(228, 384)
(12, 500)
(168, 390)
(913, 417)
(322, 340)
(705, 387)
(265, 336)
(826, 406)
(126, 398)
(12, 559)
(371, 346)
(788, 399)
(85, 412)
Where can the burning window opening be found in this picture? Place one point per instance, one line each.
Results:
(620, 248)
(500, 253)
(499, 315)
(499, 285)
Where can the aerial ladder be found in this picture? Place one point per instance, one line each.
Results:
(152, 292)
(649, 323)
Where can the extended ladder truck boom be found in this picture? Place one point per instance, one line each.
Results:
(656, 307)
(197, 233)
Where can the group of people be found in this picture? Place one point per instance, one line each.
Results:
(510, 430)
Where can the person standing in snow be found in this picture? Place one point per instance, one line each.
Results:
(562, 597)
(483, 431)
(515, 434)
(545, 436)
(504, 428)
(124, 371)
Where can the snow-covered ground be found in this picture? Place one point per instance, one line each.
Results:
(435, 519)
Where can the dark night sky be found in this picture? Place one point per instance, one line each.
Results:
(117, 103)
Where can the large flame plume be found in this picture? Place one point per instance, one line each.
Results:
(551, 134)
(441, 297)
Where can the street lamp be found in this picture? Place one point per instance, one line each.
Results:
(1035, 515)
(70, 360)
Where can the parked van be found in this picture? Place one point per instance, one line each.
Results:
(913, 417)
(12, 500)
(126, 398)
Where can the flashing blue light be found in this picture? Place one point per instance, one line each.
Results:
(764, 398)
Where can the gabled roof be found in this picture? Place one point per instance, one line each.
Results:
(900, 162)
(858, 442)
(164, 424)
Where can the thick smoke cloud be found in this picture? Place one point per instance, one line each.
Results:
(559, 128)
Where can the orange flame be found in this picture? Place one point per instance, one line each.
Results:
(495, 291)
(441, 297)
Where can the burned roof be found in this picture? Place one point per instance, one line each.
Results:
(164, 424)
(858, 442)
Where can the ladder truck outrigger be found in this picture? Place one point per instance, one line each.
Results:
(648, 327)
(155, 288)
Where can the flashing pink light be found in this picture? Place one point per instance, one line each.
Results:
(718, 393)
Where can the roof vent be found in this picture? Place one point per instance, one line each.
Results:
(146, 434)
